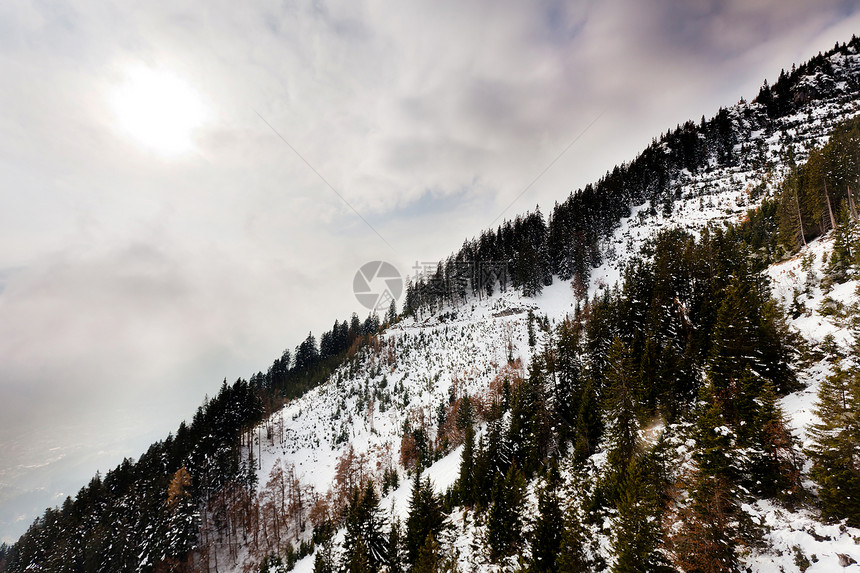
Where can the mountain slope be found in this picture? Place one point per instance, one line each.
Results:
(397, 403)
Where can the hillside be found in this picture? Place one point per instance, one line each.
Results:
(419, 365)
(638, 390)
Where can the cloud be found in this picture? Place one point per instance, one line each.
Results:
(135, 283)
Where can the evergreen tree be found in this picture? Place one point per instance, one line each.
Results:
(620, 412)
(324, 560)
(357, 559)
(466, 482)
(589, 426)
(429, 556)
(835, 452)
(426, 517)
(394, 553)
(546, 535)
(636, 534)
(712, 523)
(529, 432)
(710, 532)
(504, 517)
(307, 354)
(569, 381)
(391, 316)
(573, 553)
(364, 530)
(774, 468)
(181, 517)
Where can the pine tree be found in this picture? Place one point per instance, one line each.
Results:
(428, 559)
(568, 381)
(835, 452)
(529, 432)
(546, 535)
(715, 439)
(712, 523)
(736, 340)
(504, 517)
(394, 552)
(573, 554)
(589, 426)
(426, 517)
(636, 534)
(391, 316)
(357, 559)
(709, 532)
(466, 482)
(323, 560)
(774, 466)
(620, 412)
(364, 529)
(181, 516)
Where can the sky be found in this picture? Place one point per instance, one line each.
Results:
(188, 188)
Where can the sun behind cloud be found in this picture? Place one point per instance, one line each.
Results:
(158, 110)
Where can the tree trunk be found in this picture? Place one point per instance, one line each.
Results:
(851, 205)
(799, 216)
(829, 207)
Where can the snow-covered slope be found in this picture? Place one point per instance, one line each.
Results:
(409, 377)
(797, 537)
(419, 364)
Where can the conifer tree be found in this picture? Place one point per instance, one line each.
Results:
(357, 559)
(835, 452)
(546, 535)
(573, 554)
(324, 560)
(589, 425)
(620, 412)
(569, 381)
(636, 534)
(426, 517)
(736, 337)
(394, 552)
(708, 536)
(181, 516)
(711, 522)
(504, 517)
(391, 315)
(774, 466)
(428, 559)
(364, 529)
(529, 431)
(466, 482)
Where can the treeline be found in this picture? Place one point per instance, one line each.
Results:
(143, 516)
(791, 92)
(692, 335)
(691, 323)
(294, 373)
(821, 194)
(691, 343)
(147, 515)
(527, 252)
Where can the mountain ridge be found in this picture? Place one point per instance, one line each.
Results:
(592, 240)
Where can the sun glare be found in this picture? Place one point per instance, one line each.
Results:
(158, 110)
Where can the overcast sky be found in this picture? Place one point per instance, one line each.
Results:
(156, 235)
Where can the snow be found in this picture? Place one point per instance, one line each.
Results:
(798, 534)
(471, 348)
(462, 349)
(556, 301)
(794, 534)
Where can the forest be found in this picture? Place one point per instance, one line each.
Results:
(690, 341)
